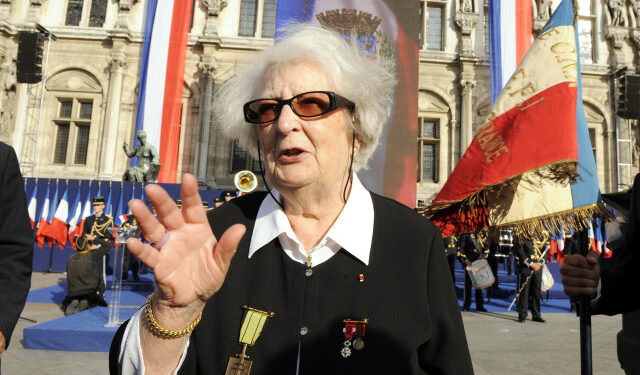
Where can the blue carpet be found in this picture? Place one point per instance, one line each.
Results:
(498, 300)
(82, 332)
(86, 331)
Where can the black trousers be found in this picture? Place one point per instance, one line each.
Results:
(467, 293)
(452, 266)
(530, 297)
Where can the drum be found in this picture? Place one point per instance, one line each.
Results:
(480, 274)
(547, 279)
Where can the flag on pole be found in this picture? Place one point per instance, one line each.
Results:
(44, 219)
(86, 212)
(33, 204)
(164, 46)
(75, 214)
(510, 36)
(530, 167)
(58, 229)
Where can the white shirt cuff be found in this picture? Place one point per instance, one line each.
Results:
(131, 360)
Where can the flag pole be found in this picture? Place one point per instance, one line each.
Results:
(584, 311)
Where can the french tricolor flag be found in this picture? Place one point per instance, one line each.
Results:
(33, 204)
(162, 78)
(58, 228)
(43, 226)
(510, 36)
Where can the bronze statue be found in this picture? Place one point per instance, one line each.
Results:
(148, 165)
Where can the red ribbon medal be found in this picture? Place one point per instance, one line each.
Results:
(353, 328)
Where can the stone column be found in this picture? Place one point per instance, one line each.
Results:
(116, 61)
(466, 110)
(213, 10)
(207, 69)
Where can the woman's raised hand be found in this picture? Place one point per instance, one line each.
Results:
(190, 265)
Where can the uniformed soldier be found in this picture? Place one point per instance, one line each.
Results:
(228, 196)
(130, 262)
(218, 202)
(472, 248)
(529, 255)
(451, 251)
(96, 227)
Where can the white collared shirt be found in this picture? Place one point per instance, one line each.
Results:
(352, 231)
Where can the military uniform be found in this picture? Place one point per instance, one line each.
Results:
(529, 252)
(472, 247)
(97, 225)
(130, 262)
(451, 251)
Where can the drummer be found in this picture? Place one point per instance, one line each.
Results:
(473, 247)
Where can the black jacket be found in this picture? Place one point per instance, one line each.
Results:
(415, 326)
(620, 292)
(16, 242)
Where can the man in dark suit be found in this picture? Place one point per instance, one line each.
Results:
(617, 275)
(16, 245)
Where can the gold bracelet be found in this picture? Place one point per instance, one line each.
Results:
(160, 331)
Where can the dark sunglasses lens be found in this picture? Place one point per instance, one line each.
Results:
(312, 104)
(262, 111)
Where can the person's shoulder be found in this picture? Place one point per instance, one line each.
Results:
(392, 210)
(240, 208)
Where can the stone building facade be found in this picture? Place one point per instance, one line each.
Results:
(90, 96)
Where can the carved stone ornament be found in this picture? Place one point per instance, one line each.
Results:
(125, 4)
(117, 63)
(616, 11)
(36, 2)
(208, 66)
(466, 6)
(5, 1)
(617, 35)
(214, 6)
(467, 86)
(635, 36)
(466, 22)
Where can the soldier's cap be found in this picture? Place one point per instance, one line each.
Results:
(205, 204)
(98, 199)
(81, 242)
(229, 194)
(178, 203)
(218, 200)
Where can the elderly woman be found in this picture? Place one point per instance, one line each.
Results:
(358, 283)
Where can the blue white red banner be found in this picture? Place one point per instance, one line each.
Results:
(162, 79)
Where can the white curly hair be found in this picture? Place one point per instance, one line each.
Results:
(368, 81)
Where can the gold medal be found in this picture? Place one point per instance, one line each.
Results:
(252, 326)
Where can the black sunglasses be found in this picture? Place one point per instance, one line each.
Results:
(307, 104)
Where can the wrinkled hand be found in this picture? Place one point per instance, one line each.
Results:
(191, 266)
(580, 275)
(536, 266)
